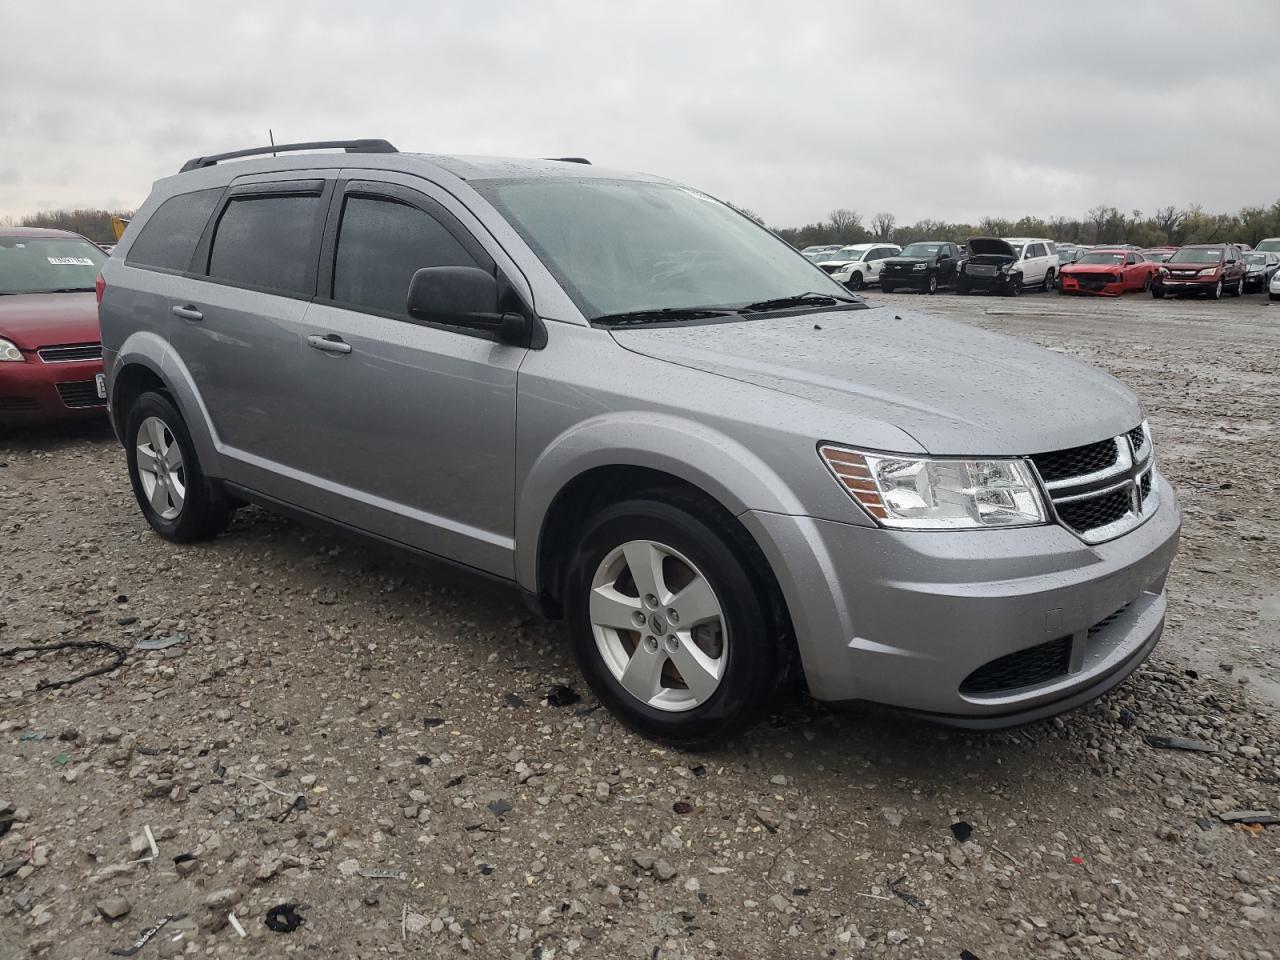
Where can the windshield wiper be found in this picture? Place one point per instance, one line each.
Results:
(661, 315)
(70, 290)
(799, 300)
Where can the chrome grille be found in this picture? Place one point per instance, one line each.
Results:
(1101, 490)
(71, 352)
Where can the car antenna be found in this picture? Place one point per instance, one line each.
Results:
(272, 137)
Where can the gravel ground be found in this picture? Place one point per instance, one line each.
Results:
(448, 808)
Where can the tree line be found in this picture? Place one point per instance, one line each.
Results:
(1101, 224)
(93, 224)
(1170, 226)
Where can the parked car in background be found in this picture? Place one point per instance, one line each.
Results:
(924, 265)
(1006, 266)
(1201, 268)
(820, 252)
(1107, 273)
(863, 269)
(441, 353)
(1274, 288)
(1269, 245)
(1069, 253)
(1158, 254)
(50, 350)
(1259, 268)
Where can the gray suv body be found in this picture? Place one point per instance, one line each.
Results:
(655, 417)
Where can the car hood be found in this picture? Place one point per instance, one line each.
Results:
(990, 245)
(906, 261)
(1091, 267)
(34, 320)
(954, 388)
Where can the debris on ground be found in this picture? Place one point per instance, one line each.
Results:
(284, 918)
(145, 936)
(1180, 743)
(961, 830)
(909, 898)
(159, 643)
(1260, 817)
(42, 649)
(561, 696)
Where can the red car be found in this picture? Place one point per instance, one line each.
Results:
(1108, 273)
(50, 348)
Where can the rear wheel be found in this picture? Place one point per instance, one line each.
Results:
(672, 626)
(176, 498)
(1047, 284)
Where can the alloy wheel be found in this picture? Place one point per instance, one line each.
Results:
(160, 468)
(658, 626)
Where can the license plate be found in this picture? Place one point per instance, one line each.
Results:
(100, 379)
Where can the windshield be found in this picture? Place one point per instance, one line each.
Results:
(1017, 248)
(1269, 246)
(48, 264)
(920, 250)
(1197, 255)
(622, 246)
(1259, 258)
(846, 253)
(1111, 258)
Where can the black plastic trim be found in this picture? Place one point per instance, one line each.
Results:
(350, 146)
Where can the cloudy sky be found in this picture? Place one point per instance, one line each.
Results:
(946, 109)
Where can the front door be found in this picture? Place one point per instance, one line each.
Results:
(412, 426)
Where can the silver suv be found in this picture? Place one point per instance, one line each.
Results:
(662, 423)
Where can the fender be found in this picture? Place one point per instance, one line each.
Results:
(718, 465)
(148, 349)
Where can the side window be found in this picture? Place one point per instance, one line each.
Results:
(170, 235)
(1132, 259)
(1052, 248)
(269, 242)
(381, 244)
(1037, 250)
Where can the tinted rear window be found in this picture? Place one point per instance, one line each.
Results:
(169, 238)
(268, 242)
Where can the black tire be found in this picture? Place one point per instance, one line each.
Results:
(758, 645)
(887, 287)
(205, 512)
(855, 281)
(1047, 284)
(1157, 292)
(1239, 291)
(962, 289)
(1216, 292)
(1013, 286)
(1273, 297)
(931, 285)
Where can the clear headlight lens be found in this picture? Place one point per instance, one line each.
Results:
(9, 352)
(920, 266)
(1208, 271)
(925, 494)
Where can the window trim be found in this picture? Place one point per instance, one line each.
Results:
(262, 190)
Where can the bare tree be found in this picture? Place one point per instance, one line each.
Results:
(843, 220)
(882, 224)
(1168, 219)
(1099, 216)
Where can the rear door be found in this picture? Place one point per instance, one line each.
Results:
(410, 431)
(235, 327)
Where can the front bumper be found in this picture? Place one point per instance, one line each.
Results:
(916, 278)
(999, 282)
(908, 619)
(1189, 285)
(1070, 283)
(34, 391)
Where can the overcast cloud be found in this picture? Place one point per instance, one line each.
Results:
(949, 109)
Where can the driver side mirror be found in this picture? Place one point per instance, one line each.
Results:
(463, 297)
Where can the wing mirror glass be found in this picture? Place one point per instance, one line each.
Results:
(463, 297)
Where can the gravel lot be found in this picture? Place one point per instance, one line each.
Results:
(407, 707)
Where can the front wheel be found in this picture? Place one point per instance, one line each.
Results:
(1216, 292)
(1157, 292)
(672, 625)
(1013, 287)
(176, 498)
(931, 285)
(855, 281)
(1239, 288)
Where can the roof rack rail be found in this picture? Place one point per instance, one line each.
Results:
(350, 146)
(571, 160)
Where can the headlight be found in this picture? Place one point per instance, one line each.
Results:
(925, 494)
(920, 266)
(9, 352)
(1208, 271)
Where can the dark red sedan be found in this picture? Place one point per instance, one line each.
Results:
(50, 348)
(1107, 273)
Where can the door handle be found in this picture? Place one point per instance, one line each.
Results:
(187, 313)
(330, 343)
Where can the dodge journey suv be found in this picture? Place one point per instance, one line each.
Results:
(665, 425)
